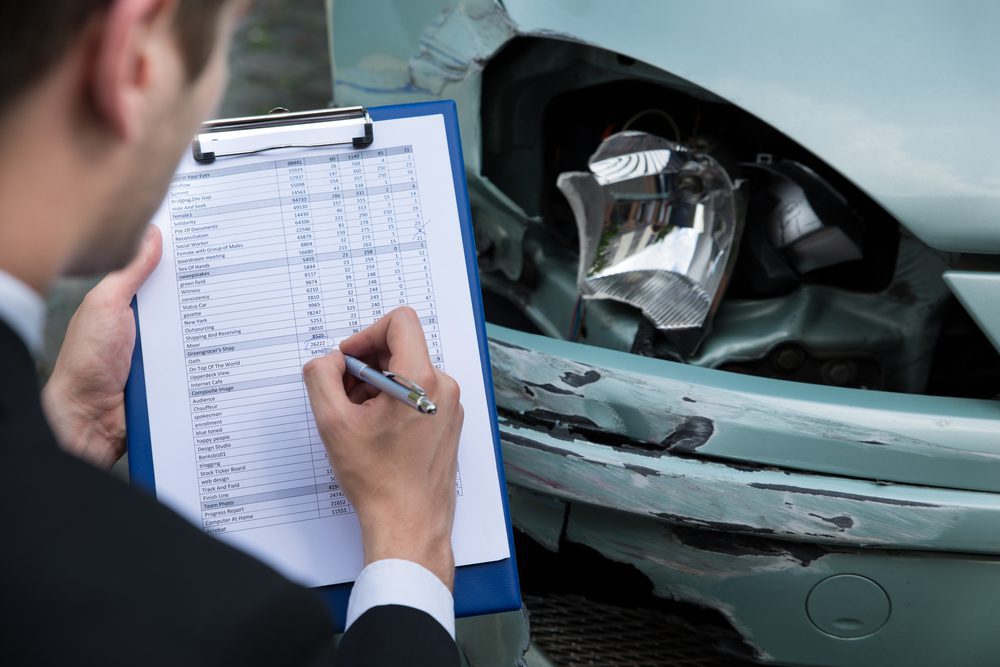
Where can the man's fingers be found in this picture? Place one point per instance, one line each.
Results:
(398, 335)
(324, 379)
(128, 280)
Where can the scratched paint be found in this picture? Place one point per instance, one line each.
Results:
(665, 406)
(458, 42)
(761, 586)
(708, 495)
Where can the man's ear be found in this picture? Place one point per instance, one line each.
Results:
(126, 72)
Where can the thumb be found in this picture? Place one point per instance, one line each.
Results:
(128, 280)
(324, 379)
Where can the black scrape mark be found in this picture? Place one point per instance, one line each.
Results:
(720, 526)
(549, 416)
(509, 346)
(688, 399)
(572, 428)
(689, 435)
(527, 390)
(838, 494)
(643, 470)
(564, 427)
(873, 442)
(551, 388)
(534, 444)
(843, 522)
(743, 467)
(577, 380)
(743, 545)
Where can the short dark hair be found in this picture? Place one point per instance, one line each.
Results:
(34, 35)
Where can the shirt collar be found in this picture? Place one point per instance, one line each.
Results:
(23, 310)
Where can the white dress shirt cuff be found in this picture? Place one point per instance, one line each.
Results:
(402, 582)
(23, 310)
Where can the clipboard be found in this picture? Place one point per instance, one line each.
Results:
(480, 588)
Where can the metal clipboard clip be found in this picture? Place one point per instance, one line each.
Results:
(231, 137)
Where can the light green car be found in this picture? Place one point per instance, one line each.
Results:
(740, 264)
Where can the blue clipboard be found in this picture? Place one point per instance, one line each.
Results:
(479, 589)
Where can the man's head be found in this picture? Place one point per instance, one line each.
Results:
(110, 91)
(35, 35)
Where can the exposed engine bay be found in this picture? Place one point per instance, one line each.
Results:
(659, 219)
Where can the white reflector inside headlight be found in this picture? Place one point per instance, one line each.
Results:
(658, 229)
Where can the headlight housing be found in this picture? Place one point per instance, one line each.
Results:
(658, 229)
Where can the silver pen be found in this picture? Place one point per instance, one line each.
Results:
(393, 384)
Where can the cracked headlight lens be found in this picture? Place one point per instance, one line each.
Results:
(658, 229)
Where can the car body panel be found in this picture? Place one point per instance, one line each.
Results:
(749, 540)
(666, 406)
(979, 292)
(942, 608)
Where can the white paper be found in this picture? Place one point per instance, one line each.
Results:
(269, 260)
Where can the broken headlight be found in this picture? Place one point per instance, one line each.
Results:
(658, 227)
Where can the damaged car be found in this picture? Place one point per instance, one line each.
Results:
(739, 261)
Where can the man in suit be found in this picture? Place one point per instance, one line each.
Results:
(98, 98)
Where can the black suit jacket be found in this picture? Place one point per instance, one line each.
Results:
(93, 572)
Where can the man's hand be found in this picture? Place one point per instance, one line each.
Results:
(396, 465)
(84, 398)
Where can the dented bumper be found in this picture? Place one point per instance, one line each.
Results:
(634, 440)
(615, 452)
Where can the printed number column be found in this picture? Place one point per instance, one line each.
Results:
(413, 245)
(384, 226)
(254, 467)
(333, 244)
(306, 285)
(336, 265)
(303, 266)
(362, 239)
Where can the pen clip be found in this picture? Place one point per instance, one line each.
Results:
(409, 384)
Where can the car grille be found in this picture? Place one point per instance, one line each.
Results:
(572, 630)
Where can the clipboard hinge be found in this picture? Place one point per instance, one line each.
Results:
(284, 118)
